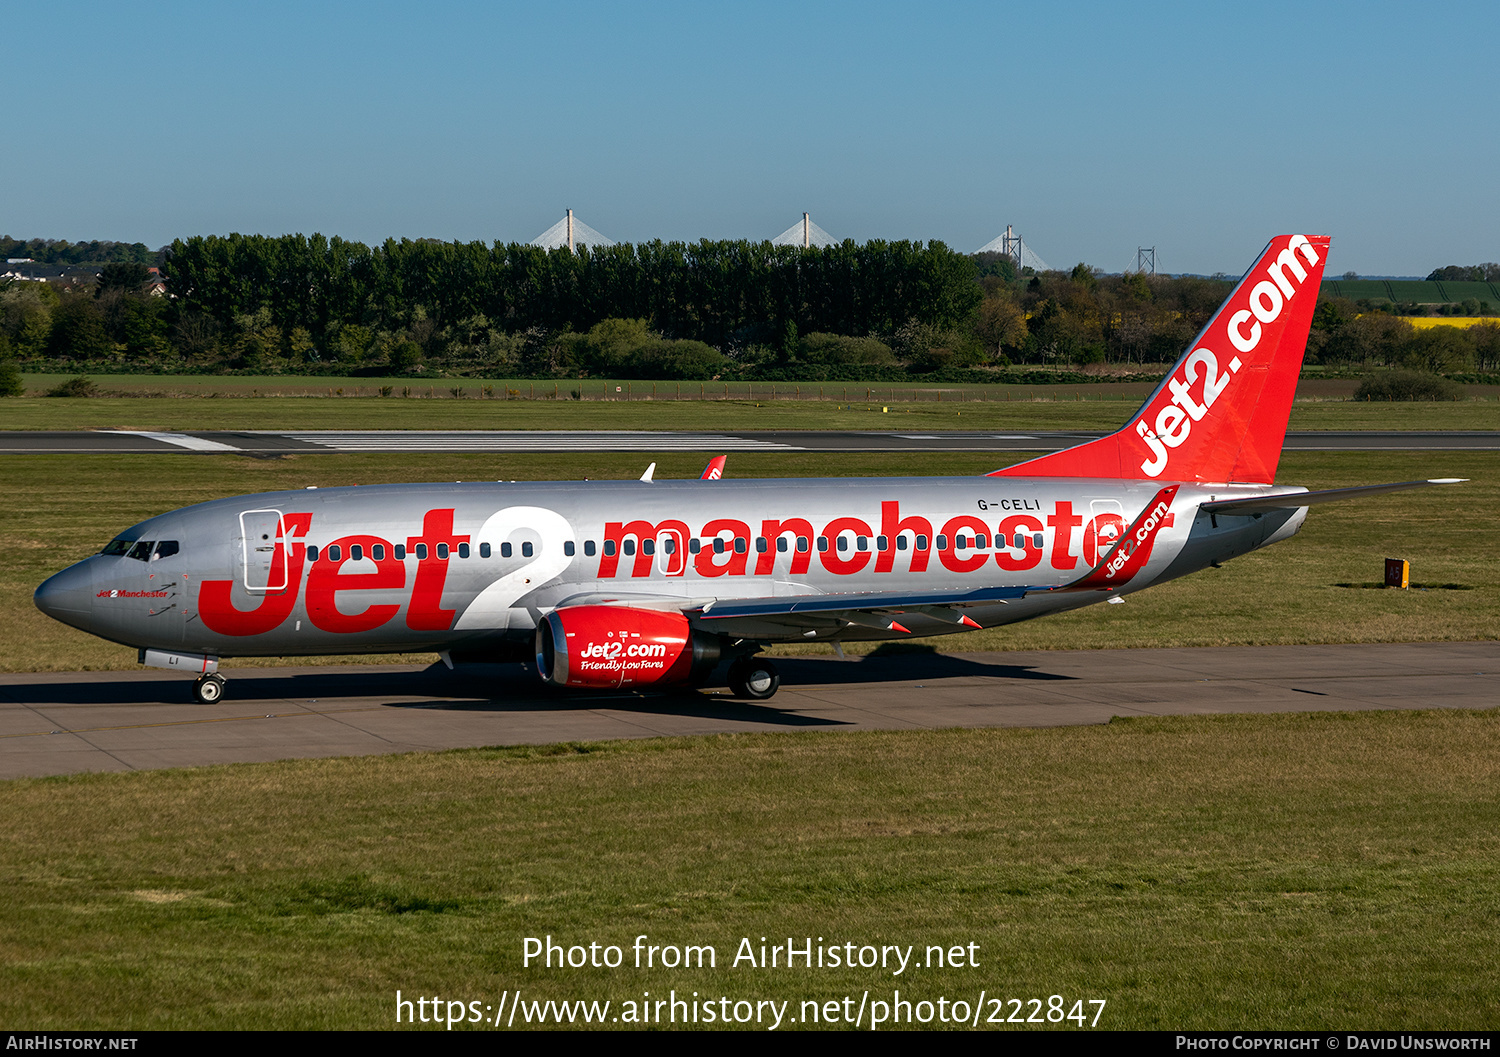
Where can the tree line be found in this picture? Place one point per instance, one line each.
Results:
(732, 309)
(78, 254)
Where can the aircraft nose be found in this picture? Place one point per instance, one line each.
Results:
(69, 596)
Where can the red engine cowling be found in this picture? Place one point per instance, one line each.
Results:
(612, 646)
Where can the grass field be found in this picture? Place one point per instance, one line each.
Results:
(1293, 871)
(60, 509)
(1045, 408)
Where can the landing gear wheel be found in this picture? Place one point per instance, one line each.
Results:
(755, 678)
(209, 689)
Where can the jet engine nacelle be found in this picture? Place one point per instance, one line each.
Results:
(612, 646)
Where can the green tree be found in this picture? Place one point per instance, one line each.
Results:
(78, 331)
(10, 374)
(129, 276)
(1485, 338)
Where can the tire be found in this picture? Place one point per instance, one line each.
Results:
(209, 689)
(754, 678)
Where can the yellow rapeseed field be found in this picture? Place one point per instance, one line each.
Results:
(1423, 322)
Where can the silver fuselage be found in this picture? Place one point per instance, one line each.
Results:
(461, 566)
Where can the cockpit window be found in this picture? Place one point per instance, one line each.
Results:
(142, 550)
(165, 549)
(116, 548)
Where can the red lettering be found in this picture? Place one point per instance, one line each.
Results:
(1031, 554)
(736, 560)
(832, 560)
(891, 527)
(216, 606)
(426, 612)
(616, 532)
(1063, 522)
(1134, 552)
(326, 579)
(1102, 533)
(771, 531)
(956, 560)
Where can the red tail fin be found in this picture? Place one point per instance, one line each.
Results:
(1221, 415)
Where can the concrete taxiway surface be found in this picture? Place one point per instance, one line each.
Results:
(266, 443)
(61, 723)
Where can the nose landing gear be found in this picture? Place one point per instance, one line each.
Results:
(208, 689)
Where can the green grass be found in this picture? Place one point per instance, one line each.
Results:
(1042, 407)
(60, 509)
(1326, 871)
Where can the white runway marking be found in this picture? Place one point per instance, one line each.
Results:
(182, 440)
(529, 440)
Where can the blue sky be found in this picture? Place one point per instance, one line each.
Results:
(1201, 129)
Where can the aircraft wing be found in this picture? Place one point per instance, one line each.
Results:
(865, 608)
(1292, 500)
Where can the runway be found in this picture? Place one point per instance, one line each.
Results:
(64, 723)
(263, 443)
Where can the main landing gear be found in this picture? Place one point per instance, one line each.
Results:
(754, 677)
(209, 689)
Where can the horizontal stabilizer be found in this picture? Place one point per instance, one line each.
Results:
(1292, 500)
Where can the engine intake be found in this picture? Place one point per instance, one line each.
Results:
(605, 647)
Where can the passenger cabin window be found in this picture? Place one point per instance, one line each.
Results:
(802, 544)
(694, 545)
(505, 550)
(463, 550)
(822, 543)
(942, 543)
(741, 545)
(334, 553)
(921, 543)
(378, 552)
(781, 544)
(420, 551)
(588, 548)
(356, 552)
(442, 550)
(570, 549)
(484, 550)
(526, 549)
(401, 552)
(312, 553)
(629, 547)
(609, 548)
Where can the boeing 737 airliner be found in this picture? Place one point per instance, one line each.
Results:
(655, 583)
